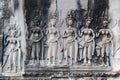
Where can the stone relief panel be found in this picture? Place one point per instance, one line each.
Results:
(35, 42)
(103, 47)
(12, 54)
(1, 29)
(53, 43)
(87, 43)
(73, 35)
(70, 41)
(75, 46)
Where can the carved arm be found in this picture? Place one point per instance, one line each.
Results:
(110, 39)
(18, 44)
(66, 35)
(39, 38)
(98, 34)
(81, 34)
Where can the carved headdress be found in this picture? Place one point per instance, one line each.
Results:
(70, 15)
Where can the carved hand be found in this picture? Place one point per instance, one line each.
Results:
(65, 36)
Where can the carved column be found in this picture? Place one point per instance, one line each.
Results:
(19, 16)
(115, 27)
(14, 15)
(115, 16)
(1, 28)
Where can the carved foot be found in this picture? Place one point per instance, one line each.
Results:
(31, 62)
(71, 63)
(8, 71)
(107, 64)
(65, 63)
(53, 64)
(102, 65)
(42, 63)
(37, 63)
(60, 62)
(49, 63)
(84, 64)
(14, 71)
(88, 64)
(20, 68)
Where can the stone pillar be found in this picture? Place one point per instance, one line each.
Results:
(114, 13)
(1, 28)
(115, 16)
(20, 18)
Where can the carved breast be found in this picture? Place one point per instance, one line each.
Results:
(13, 41)
(104, 32)
(87, 32)
(70, 37)
(69, 31)
(52, 31)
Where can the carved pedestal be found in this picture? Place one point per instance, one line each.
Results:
(66, 72)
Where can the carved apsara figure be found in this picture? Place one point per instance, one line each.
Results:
(70, 44)
(104, 45)
(88, 43)
(11, 61)
(53, 42)
(36, 43)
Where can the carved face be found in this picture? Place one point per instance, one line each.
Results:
(88, 23)
(105, 23)
(70, 22)
(12, 33)
(53, 22)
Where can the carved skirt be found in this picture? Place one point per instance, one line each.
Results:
(87, 50)
(105, 50)
(69, 50)
(52, 50)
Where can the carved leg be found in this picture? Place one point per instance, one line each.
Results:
(10, 62)
(14, 60)
(49, 55)
(98, 50)
(102, 56)
(54, 52)
(71, 54)
(42, 58)
(84, 56)
(33, 54)
(19, 60)
(38, 53)
(107, 55)
(80, 54)
(89, 54)
(107, 61)
(66, 56)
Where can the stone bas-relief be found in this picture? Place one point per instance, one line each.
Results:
(104, 45)
(70, 42)
(53, 42)
(59, 41)
(88, 43)
(12, 55)
(34, 41)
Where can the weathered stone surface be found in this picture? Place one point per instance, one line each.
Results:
(59, 39)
